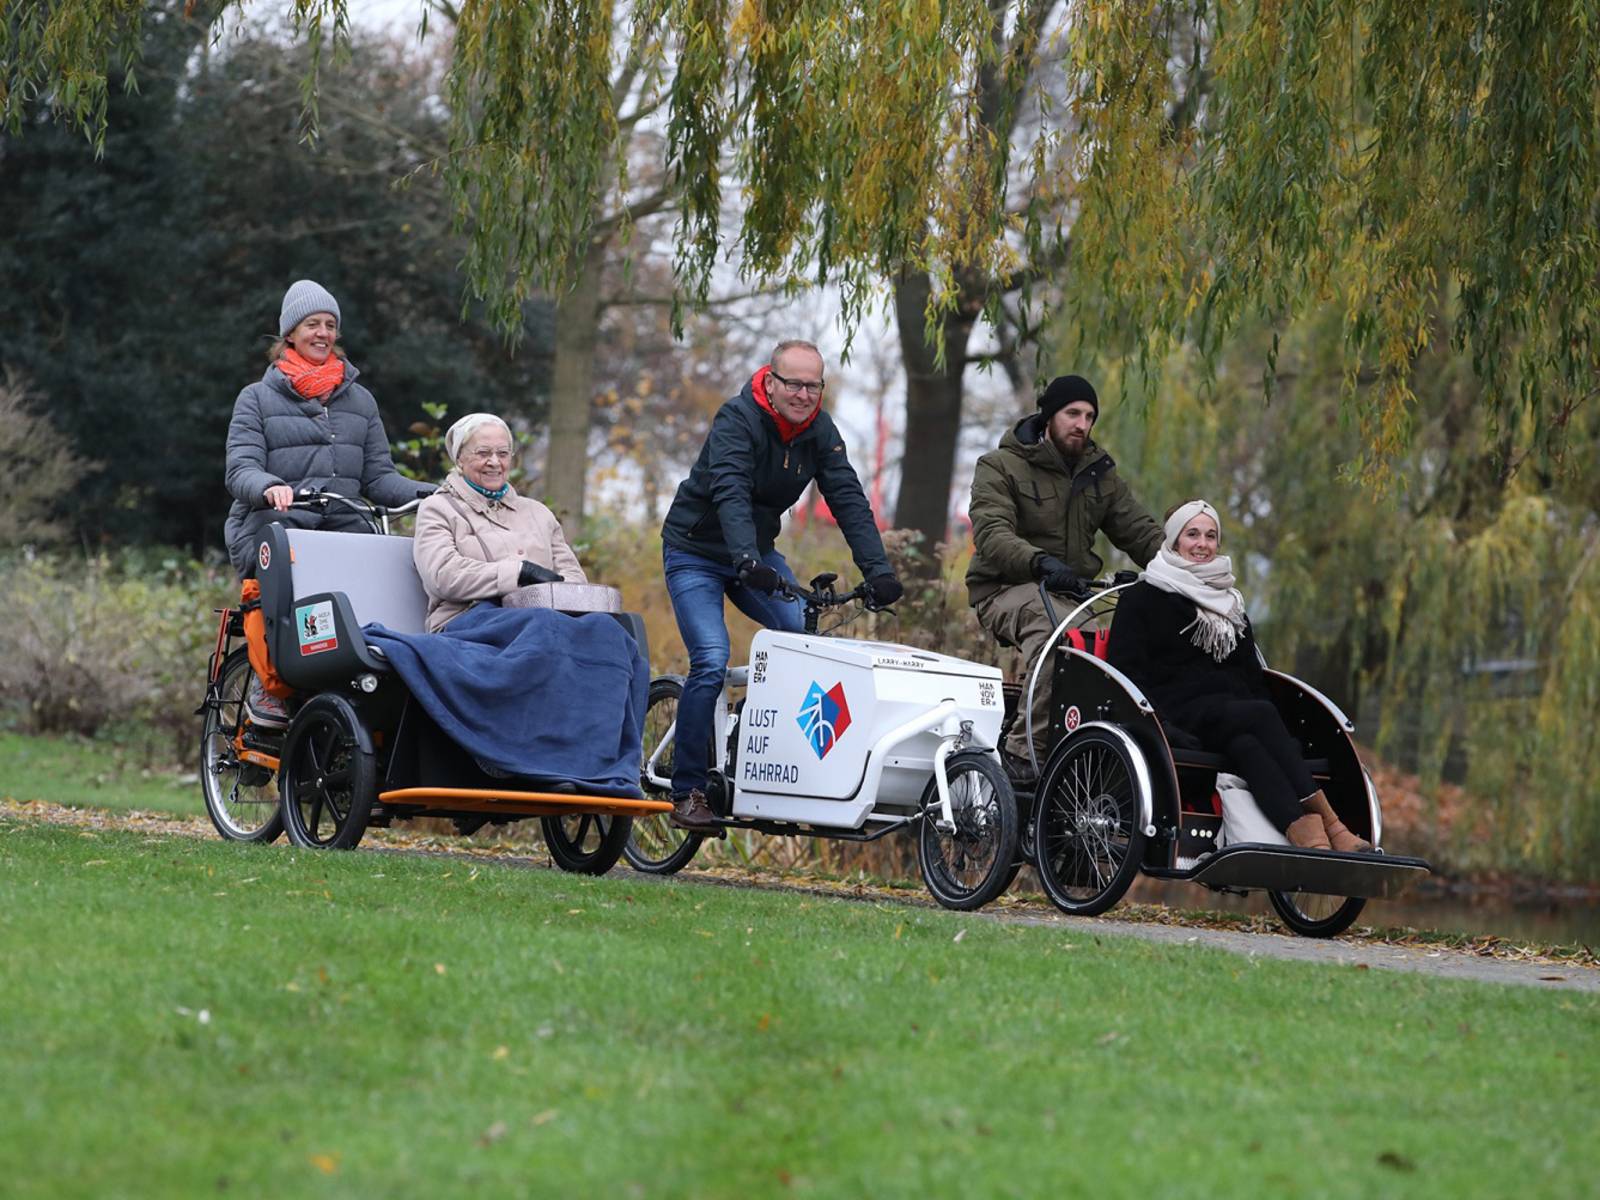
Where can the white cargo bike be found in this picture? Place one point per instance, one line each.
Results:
(848, 739)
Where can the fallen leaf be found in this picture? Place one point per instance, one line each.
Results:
(501, 1052)
(438, 968)
(545, 1117)
(959, 936)
(1105, 1039)
(764, 1022)
(97, 862)
(328, 1164)
(1398, 1162)
(898, 930)
(1553, 978)
(492, 1134)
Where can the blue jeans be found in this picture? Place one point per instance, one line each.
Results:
(697, 586)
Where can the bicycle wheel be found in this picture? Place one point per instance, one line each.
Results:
(241, 799)
(655, 845)
(969, 866)
(586, 843)
(326, 782)
(1316, 916)
(1088, 840)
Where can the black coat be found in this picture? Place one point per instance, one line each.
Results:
(1175, 675)
(731, 506)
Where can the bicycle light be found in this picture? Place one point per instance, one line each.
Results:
(367, 683)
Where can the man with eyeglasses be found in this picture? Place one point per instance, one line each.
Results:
(766, 445)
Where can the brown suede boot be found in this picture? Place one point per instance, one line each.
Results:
(1339, 834)
(1307, 833)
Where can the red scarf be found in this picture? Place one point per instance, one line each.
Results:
(787, 429)
(308, 379)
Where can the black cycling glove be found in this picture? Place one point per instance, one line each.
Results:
(1058, 577)
(883, 590)
(759, 577)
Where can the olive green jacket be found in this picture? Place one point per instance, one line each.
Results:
(1027, 501)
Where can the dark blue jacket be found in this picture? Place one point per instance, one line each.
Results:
(732, 504)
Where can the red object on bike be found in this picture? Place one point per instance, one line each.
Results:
(255, 636)
(1101, 642)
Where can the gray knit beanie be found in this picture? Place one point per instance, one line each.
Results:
(303, 298)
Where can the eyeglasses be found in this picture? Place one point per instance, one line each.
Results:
(483, 456)
(809, 386)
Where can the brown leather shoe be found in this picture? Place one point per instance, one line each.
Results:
(691, 812)
(1308, 833)
(1339, 834)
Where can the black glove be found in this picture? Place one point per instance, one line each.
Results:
(424, 490)
(883, 590)
(759, 577)
(1058, 577)
(532, 573)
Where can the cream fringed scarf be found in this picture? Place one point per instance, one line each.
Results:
(1219, 608)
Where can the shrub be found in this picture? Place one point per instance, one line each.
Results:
(88, 643)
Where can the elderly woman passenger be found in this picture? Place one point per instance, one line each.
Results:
(476, 538)
(1181, 634)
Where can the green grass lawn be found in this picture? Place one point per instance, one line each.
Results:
(97, 773)
(186, 1018)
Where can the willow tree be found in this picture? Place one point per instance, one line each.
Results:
(1360, 152)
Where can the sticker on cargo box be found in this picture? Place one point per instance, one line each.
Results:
(314, 624)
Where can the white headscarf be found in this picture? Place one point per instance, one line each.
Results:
(461, 432)
(1219, 608)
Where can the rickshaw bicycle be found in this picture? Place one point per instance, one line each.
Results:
(359, 752)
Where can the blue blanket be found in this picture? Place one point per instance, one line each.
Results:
(532, 692)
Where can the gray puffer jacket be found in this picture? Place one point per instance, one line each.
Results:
(279, 437)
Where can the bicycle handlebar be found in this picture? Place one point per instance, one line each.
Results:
(315, 499)
(1090, 586)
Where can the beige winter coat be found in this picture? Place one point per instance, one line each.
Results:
(468, 548)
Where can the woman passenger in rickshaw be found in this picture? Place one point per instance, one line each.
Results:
(1182, 636)
(305, 423)
(528, 692)
(476, 538)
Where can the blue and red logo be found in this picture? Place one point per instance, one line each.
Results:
(824, 716)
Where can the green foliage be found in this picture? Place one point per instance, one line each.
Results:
(40, 473)
(89, 643)
(182, 241)
(393, 1024)
(57, 52)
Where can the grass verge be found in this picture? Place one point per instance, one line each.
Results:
(98, 772)
(194, 1018)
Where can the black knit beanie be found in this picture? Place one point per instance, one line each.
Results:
(1065, 390)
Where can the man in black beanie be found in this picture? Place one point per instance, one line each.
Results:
(1038, 502)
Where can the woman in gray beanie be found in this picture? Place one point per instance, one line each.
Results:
(305, 423)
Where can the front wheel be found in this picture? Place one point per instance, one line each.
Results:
(968, 866)
(241, 799)
(1088, 841)
(326, 782)
(1316, 916)
(656, 846)
(586, 843)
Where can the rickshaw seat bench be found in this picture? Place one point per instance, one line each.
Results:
(375, 572)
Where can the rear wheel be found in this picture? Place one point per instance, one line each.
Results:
(968, 866)
(656, 846)
(326, 781)
(1088, 837)
(586, 843)
(1316, 916)
(241, 799)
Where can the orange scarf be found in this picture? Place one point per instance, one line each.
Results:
(787, 429)
(308, 379)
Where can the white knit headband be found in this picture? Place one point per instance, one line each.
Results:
(458, 434)
(1183, 514)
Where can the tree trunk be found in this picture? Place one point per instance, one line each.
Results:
(577, 327)
(933, 412)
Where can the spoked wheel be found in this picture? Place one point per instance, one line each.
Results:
(586, 843)
(969, 866)
(326, 781)
(1316, 916)
(657, 846)
(241, 799)
(1088, 840)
